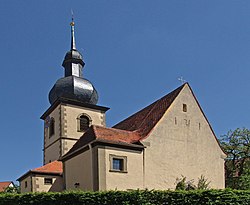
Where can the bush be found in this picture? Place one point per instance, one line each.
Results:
(183, 184)
(196, 197)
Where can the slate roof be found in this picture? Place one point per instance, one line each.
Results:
(131, 130)
(52, 168)
(4, 185)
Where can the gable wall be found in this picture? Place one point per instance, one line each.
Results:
(182, 144)
(40, 186)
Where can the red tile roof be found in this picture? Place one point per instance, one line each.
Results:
(52, 167)
(130, 130)
(4, 185)
(145, 120)
(116, 135)
(104, 134)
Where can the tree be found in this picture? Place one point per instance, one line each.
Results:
(236, 144)
(14, 189)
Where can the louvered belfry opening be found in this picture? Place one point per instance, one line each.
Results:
(84, 122)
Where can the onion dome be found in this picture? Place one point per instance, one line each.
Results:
(73, 86)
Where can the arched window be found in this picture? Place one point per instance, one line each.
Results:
(83, 123)
(51, 127)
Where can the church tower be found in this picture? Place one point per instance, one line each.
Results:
(73, 107)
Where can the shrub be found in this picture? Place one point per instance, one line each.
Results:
(138, 197)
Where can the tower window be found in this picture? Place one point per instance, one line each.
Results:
(184, 107)
(83, 123)
(52, 127)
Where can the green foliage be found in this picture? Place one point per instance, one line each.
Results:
(237, 146)
(183, 184)
(203, 184)
(138, 197)
(15, 189)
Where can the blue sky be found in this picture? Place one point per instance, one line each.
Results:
(134, 53)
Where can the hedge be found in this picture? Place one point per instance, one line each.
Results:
(198, 197)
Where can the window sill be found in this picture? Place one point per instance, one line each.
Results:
(113, 170)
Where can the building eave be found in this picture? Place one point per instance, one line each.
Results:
(102, 143)
(72, 102)
(32, 172)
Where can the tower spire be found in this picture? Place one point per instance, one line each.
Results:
(72, 24)
(73, 86)
(73, 61)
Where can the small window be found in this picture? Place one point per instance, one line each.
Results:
(52, 127)
(184, 107)
(118, 163)
(25, 184)
(83, 123)
(48, 180)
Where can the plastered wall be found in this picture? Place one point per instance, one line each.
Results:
(182, 144)
(67, 129)
(71, 113)
(24, 189)
(35, 183)
(79, 170)
(40, 186)
(131, 179)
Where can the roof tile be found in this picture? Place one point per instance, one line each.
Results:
(144, 120)
(52, 167)
(4, 185)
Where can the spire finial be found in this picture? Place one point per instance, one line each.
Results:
(72, 24)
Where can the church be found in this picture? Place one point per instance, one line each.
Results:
(150, 149)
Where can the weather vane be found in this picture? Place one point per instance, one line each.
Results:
(72, 17)
(181, 80)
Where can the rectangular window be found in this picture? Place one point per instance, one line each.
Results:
(184, 107)
(118, 163)
(48, 180)
(25, 184)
